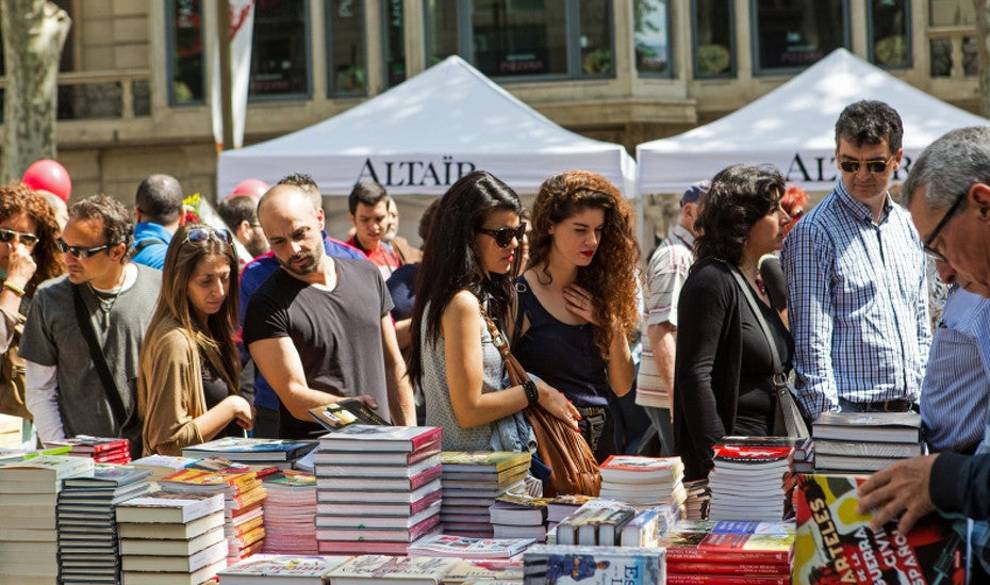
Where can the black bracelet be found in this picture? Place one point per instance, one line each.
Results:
(532, 394)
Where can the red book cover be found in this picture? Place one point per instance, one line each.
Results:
(728, 569)
(424, 452)
(701, 579)
(751, 455)
(88, 444)
(762, 549)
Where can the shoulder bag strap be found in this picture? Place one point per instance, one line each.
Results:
(99, 359)
(778, 367)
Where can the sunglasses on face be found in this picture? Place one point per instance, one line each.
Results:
(929, 243)
(198, 235)
(8, 236)
(503, 236)
(874, 166)
(80, 251)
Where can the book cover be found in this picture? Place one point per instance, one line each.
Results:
(834, 544)
(870, 419)
(90, 444)
(497, 461)
(378, 568)
(167, 507)
(357, 437)
(861, 449)
(628, 467)
(105, 475)
(327, 456)
(755, 456)
(487, 571)
(249, 448)
(442, 545)
(345, 412)
(268, 565)
(593, 565)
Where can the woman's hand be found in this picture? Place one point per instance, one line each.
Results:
(554, 402)
(20, 265)
(240, 411)
(580, 303)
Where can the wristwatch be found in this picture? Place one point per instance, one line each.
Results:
(532, 394)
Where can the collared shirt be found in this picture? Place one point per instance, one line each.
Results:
(153, 253)
(384, 257)
(669, 267)
(858, 304)
(956, 389)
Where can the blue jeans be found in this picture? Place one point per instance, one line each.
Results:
(663, 423)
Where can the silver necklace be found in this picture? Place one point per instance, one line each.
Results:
(106, 307)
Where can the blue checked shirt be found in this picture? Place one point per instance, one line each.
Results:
(858, 304)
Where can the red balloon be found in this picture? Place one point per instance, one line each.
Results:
(251, 187)
(48, 175)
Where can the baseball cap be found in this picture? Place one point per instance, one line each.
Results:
(695, 192)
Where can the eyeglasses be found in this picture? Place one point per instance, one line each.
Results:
(79, 251)
(929, 250)
(8, 236)
(503, 236)
(874, 166)
(198, 235)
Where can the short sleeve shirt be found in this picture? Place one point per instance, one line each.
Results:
(666, 275)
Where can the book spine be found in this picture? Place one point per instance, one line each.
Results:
(748, 569)
(694, 555)
(695, 579)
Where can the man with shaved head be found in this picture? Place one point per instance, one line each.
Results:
(158, 211)
(319, 329)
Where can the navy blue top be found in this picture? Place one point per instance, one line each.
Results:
(564, 356)
(402, 286)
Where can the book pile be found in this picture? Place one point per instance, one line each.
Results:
(519, 516)
(698, 499)
(99, 449)
(570, 565)
(471, 482)
(280, 453)
(28, 499)
(171, 538)
(853, 442)
(289, 512)
(87, 526)
(377, 488)
(643, 481)
(726, 553)
(802, 459)
(598, 523)
(463, 547)
(375, 569)
(244, 497)
(266, 569)
(750, 483)
(161, 465)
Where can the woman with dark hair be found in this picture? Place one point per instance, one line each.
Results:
(723, 361)
(464, 281)
(577, 298)
(187, 383)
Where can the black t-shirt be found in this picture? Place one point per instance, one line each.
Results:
(215, 391)
(337, 333)
(757, 402)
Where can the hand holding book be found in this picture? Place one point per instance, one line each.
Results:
(901, 487)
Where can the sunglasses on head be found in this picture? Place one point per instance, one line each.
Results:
(874, 166)
(8, 236)
(198, 235)
(503, 236)
(81, 251)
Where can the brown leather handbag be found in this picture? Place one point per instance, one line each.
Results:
(13, 374)
(573, 467)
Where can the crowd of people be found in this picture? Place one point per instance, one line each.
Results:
(139, 323)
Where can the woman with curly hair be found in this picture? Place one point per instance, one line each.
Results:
(724, 364)
(577, 298)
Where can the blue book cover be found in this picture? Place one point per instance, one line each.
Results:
(594, 565)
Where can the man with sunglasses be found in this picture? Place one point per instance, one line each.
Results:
(74, 386)
(857, 288)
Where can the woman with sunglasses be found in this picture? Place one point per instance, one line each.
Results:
(465, 281)
(187, 385)
(577, 298)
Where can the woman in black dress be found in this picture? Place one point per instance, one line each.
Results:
(723, 368)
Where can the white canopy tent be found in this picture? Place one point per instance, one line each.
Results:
(793, 128)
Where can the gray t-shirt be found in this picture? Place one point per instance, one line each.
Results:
(52, 337)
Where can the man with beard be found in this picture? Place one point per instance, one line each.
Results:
(319, 329)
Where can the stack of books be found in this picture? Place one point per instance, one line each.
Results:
(267, 569)
(161, 465)
(377, 488)
(802, 459)
(519, 516)
(463, 547)
(257, 453)
(471, 482)
(244, 497)
(289, 513)
(643, 481)
(87, 527)
(28, 532)
(598, 523)
(853, 442)
(698, 499)
(567, 565)
(171, 538)
(561, 506)
(723, 553)
(751, 483)
(99, 449)
(376, 569)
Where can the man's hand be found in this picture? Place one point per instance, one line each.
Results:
(902, 487)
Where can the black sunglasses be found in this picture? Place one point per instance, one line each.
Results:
(8, 236)
(79, 251)
(198, 235)
(503, 236)
(929, 250)
(874, 166)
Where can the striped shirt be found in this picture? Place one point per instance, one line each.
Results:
(858, 304)
(956, 390)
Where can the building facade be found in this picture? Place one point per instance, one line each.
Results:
(134, 84)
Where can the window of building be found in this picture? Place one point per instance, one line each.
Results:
(186, 66)
(346, 49)
(714, 39)
(971, 56)
(651, 36)
(941, 57)
(793, 34)
(951, 13)
(524, 38)
(890, 32)
(394, 49)
(280, 49)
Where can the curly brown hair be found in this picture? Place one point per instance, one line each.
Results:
(16, 199)
(611, 276)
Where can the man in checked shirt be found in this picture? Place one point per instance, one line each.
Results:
(855, 272)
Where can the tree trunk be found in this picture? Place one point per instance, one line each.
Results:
(34, 33)
(982, 30)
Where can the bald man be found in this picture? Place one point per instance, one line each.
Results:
(319, 329)
(58, 206)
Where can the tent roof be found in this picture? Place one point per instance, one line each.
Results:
(796, 119)
(450, 110)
